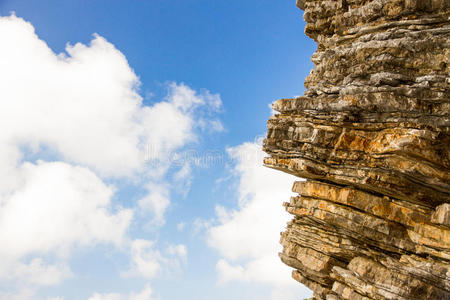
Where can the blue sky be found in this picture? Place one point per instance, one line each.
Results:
(141, 121)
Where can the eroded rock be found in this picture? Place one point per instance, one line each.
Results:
(371, 136)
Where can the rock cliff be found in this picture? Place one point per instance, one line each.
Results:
(371, 136)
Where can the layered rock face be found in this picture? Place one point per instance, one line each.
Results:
(371, 136)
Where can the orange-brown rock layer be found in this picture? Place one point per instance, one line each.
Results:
(371, 135)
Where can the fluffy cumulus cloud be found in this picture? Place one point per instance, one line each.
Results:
(247, 236)
(71, 124)
(84, 106)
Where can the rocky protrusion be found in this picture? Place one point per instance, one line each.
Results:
(371, 136)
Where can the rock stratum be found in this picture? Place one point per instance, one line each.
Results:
(371, 136)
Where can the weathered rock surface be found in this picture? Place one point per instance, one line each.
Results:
(371, 136)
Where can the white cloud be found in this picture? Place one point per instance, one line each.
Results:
(57, 101)
(25, 294)
(57, 207)
(173, 121)
(148, 261)
(248, 237)
(156, 201)
(91, 96)
(200, 225)
(61, 205)
(145, 294)
(70, 122)
(85, 106)
(178, 251)
(176, 258)
(39, 273)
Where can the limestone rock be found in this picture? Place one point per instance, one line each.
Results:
(371, 135)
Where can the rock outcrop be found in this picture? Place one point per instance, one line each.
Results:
(371, 136)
